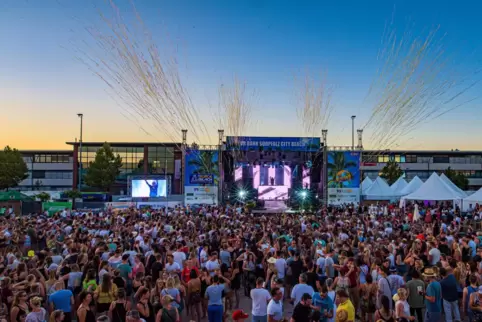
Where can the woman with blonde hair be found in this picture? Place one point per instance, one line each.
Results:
(172, 291)
(105, 294)
(402, 309)
(38, 312)
(57, 316)
(169, 313)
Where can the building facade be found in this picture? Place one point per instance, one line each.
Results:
(48, 170)
(424, 163)
(137, 159)
(58, 170)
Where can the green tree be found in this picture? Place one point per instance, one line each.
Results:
(336, 165)
(72, 194)
(391, 172)
(12, 168)
(43, 196)
(458, 179)
(205, 162)
(103, 171)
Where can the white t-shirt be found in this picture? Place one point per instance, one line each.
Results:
(172, 267)
(280, 265)
(211, 266)
(275, 310)
(179, 257)
(435, 253)
(260, 298)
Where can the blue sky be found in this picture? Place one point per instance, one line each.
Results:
(264, 43)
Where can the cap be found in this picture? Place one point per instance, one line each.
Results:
(239, 314)
(31, 253)
(271, 260)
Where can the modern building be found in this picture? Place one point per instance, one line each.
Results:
(54, 170)
(424, 163)
(137, 159)
(48, 170)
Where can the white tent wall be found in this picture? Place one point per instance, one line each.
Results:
(366, 183)
(434, 189)
(412, 186)
(379, 190)
(398, 186)
(472, 200)
(452, 185)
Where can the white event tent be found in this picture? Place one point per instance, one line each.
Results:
(412, 186)
(398, 186)
(379, 190)
(434, 189)
(366, 183)
(452, 185)
(474, 198)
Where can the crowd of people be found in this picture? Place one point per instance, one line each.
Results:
(341, 264)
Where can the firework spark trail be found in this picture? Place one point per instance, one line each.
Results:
(416, 83)
(235, 107)
(315, 107)
(141, 81)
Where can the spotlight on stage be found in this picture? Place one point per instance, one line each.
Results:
(303, 194)
(241, 194)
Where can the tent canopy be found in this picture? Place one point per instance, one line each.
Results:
(367, 183)
(398, 186)
(378, 190)
(475, 197)
(412, 186)
(14, 196)
(434, 189)
(452, 185)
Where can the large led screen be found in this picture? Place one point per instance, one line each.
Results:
(149, 188)
(272, 182)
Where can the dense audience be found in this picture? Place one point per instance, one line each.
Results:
(339, 264)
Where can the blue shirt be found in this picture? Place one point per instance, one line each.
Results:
(299, 290)
(214, 293)
(434, 289)
(325, 305)
(449, 288)
(61, 300)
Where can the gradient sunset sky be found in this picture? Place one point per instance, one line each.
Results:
(264, 43)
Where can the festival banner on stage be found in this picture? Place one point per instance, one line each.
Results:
(207, 195)
(256, 143)
(201, 168)
(343, 177)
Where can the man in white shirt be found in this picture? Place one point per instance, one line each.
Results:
(275, 306)
(171, 265)
(260, 297)
(212, 264)
(280, 265)
(179, 256)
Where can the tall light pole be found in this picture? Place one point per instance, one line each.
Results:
(324, 177)
(81, 116)
(353, 132)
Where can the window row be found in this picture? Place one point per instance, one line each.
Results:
(49, 158)
(115, 149)
(43, 174)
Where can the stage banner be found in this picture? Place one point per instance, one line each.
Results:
(54, 207)
(259, 143)
(207, 195)
(201, 168)
(343, 177)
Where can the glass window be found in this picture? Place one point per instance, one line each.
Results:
(383, 158)
(441, 159)
(38, 174)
